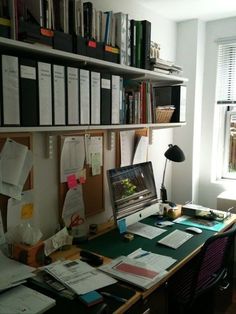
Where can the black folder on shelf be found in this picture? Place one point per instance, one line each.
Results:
(29, 114)
(105, 98)
(146, 44)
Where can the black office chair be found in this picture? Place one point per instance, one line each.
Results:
(202, 275)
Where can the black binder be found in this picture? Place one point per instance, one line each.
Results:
(105, 98)
(146, 44)
(29, 115)
(133, 43)
(88, 17)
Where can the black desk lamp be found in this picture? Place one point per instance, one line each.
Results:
(173, 153)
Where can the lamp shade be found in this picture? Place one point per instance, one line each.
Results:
(174, 153)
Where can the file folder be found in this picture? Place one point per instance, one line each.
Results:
(106, 98)
(115, 99)
(59, 95)
(10, 91)
(95, 92)
(72, 96)
(29, 114)
(45, 93)
(84, 97)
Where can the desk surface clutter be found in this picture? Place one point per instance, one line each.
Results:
(147, 260)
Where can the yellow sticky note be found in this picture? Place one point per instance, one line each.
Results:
(27, 211)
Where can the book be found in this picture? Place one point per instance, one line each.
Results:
(146, 44)
(121, 35)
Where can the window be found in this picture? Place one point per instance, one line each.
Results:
(226, 108)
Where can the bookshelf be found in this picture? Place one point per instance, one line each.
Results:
(18, 48)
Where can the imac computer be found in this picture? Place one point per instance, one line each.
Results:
(133, 192)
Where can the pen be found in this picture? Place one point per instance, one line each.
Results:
(115, 297)
(141, 255)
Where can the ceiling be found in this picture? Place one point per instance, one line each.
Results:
(206, 10)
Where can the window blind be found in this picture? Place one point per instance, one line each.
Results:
(226, 74)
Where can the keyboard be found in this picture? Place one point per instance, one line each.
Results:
(175, 239)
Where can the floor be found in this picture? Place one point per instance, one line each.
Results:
(232, 308)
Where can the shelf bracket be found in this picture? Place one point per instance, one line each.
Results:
(111, 135)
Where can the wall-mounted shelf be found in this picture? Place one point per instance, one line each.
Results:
(9, 45)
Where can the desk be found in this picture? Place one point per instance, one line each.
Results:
(111, 245)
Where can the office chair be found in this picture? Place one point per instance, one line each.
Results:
(202, 275)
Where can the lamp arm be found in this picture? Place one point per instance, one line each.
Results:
(164, 173)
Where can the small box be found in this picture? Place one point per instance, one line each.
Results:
(91, 298)
(80, 45)
(32, 33)
(111, 54)
(32, 255)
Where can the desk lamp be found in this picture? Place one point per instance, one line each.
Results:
(173, 153)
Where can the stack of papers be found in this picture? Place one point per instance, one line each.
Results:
(13, 273)
(78, 276)
(133, 271)
(145, 230)
(22, 299)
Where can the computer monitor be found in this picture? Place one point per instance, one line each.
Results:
(133, 192)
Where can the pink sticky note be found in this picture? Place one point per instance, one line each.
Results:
(81, 180)
(71, 181)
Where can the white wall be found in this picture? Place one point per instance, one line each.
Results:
(190, 54)
(209, 190)
(46, 170)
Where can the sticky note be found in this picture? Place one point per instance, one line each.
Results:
(27, 211)
(72, 181)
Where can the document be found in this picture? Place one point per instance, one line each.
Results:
(16, 162)
(133, 271)
(22, 299)
(72, 156)
(95, 97)
(10, 87)
(14, 272)
(45, 93)
(59, 95)
(79, 276)
(72, 96)
(94, 145)
(58, 240)
(144, 230)
(84, 97)
(127, 147)
(141, 150)
(156, 261)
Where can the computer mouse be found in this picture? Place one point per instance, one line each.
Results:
(194, 230)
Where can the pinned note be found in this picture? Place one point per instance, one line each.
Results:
(72, 181)
(27, 211)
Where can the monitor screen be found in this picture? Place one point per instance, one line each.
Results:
(132, 189)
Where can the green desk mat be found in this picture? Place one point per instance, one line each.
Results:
(111, 244)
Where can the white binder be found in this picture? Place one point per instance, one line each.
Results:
(95, 97)
(84, 97)
(45, 93)
(72, 96)
(59, 95)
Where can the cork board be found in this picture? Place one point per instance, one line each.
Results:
(93, 187)
(25, 139)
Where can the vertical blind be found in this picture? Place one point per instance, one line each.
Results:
(226, 74)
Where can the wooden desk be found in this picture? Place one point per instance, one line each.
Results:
(111, 245)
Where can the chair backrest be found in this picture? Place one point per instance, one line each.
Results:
(213, 261)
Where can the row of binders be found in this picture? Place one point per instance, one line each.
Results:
(35, 93)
